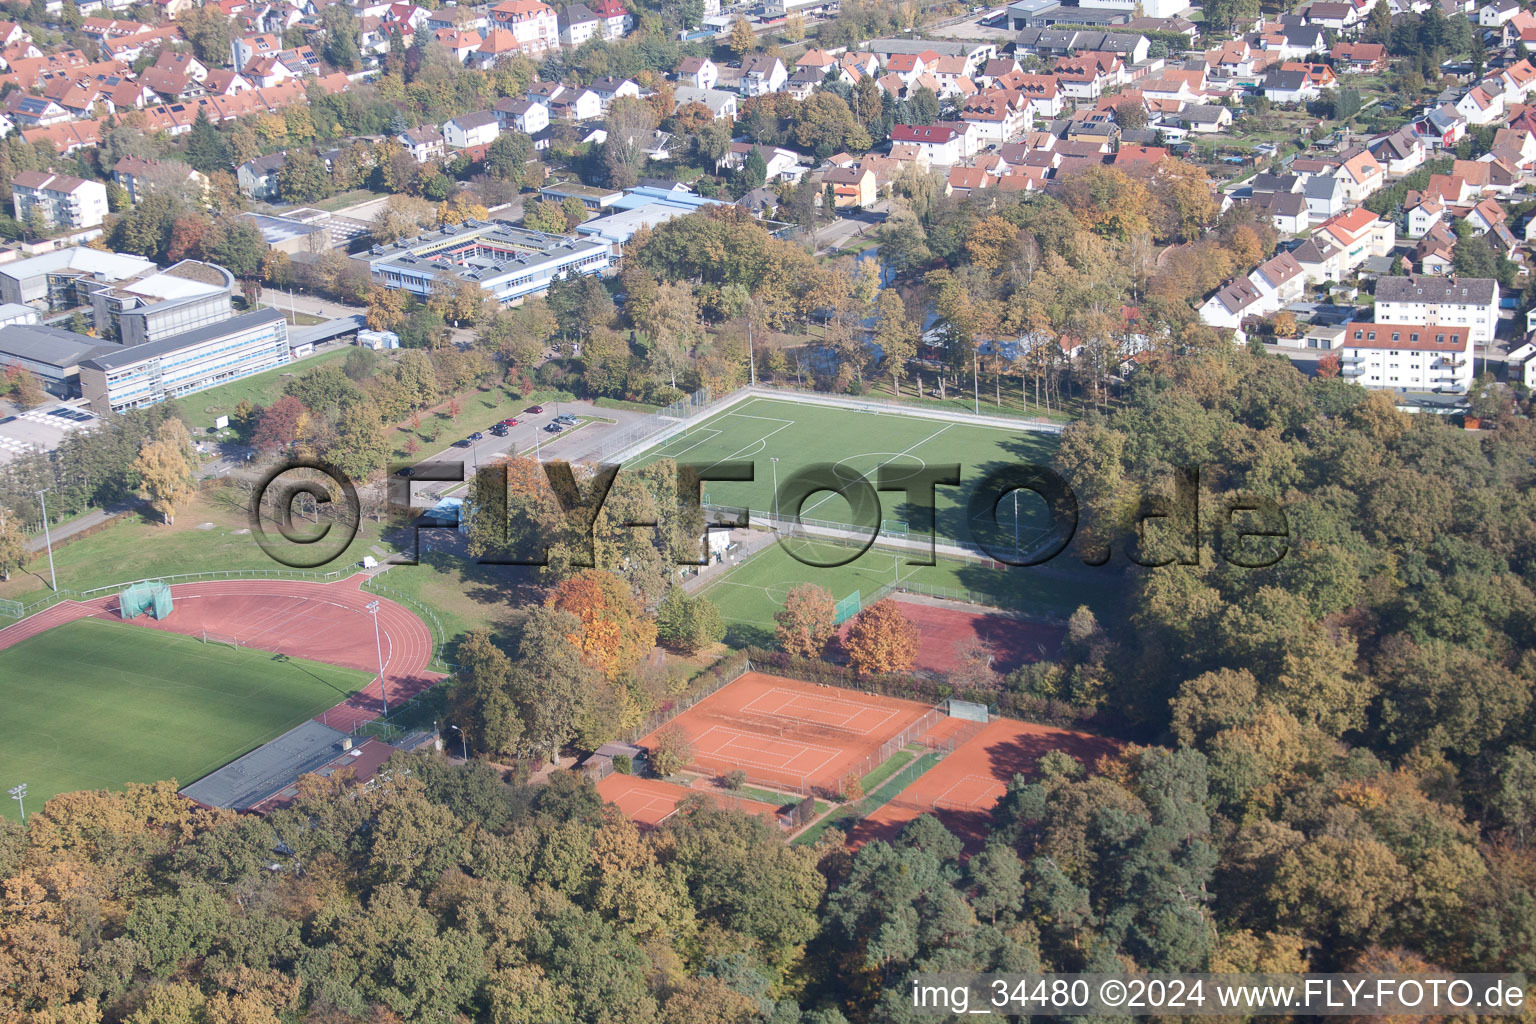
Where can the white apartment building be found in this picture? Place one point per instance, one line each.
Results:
(1467, 302)
(1407, 357)
(478, 129)
(62, 201)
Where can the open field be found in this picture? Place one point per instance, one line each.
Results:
(852, 443)
(791, 735)
(963, 788)
(202, 408)
(96, 704)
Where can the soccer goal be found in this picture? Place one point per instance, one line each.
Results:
(966, 710)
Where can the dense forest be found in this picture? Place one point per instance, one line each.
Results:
(1327, 764)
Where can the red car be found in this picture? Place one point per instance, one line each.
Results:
(535, 409)
(510, 421)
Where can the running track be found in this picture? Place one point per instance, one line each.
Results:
(326, 622)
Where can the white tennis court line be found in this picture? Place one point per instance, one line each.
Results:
(756, 742)
(810, 701)
(990, 784)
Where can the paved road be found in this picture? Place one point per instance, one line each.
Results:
(312, 304)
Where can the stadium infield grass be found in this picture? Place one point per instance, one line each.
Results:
(95, 704)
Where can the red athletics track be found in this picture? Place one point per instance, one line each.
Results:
(964, 787)
(326, 622)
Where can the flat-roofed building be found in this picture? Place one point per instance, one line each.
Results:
(508, 263)
(51, 353)
(51, 281)
(131, 377)
(160, 304)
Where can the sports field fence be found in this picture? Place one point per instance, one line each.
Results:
(723, 677)
(656, 427)
(426, 614)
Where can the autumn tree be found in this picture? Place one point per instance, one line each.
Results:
(689, 624)
(281, 423)
(881, 639)
(167, 471)
(13, 545)
(743, 39)
(807, 622)
(482, 701)
(615, 633)
(671, 750)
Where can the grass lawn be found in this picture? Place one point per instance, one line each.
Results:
(619, 403)
(202, 408)
(898, 761)
(136, 547)
(464, 595)
(96, 704)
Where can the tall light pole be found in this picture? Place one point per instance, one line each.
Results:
(48, 540)
(775, 462)
(373, 607)
(19, 794)
(463, 747)
(751, 356)
(976, 379)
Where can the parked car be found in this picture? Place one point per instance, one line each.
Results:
(499, 430)
(408, 471)
(463, 442)
(566, 418)
(553, 428)
(510, 421)
(477, 436)
(534, 409)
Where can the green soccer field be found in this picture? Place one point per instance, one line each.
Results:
(94, 704)
(858, 442)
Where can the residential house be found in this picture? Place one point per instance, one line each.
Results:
(1205, 118)
(803, 82)
(852, 187)
(1361, 174)
(1286, 210)
(701, 72)
(59, 200)
(1423, 215)
(762, 74)
(943, 145)
(1400, 153)
(424, 144)
(1353, 58)
(576, 105)
(778, 163)
(609, 88)
(1497, 12)
(258, 178)
(466, 130)
(721, 104)
(1324, 195)
(998, 115)
(1290, 87)
(498, 45)
(617, 20)
(578, 23)
(1480, 106)
(522, 115)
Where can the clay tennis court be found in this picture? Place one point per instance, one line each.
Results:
(963, 788)
(326, 622)
(649, 802)
(945, 632)
(791, 734)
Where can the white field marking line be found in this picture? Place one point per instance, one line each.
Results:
(990, 784)
(735, 736)
(893, 458)
(713, 433)
(762, 440)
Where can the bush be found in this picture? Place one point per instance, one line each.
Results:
(735, 780)
(672, 751)
(623, 765)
